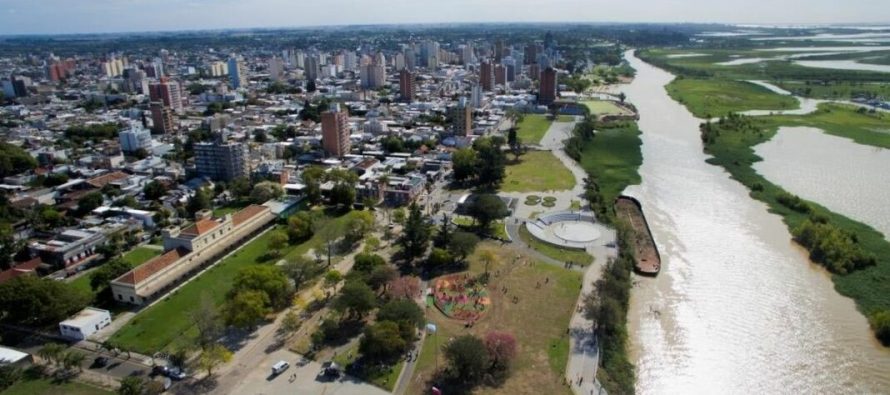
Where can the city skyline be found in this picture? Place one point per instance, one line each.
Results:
(120, 16)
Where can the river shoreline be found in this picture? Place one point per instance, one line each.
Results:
(737, 307)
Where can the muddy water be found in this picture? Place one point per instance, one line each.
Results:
(737, 307)
(847, 178)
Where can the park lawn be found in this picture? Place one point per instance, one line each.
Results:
(603, 107)
(707, 98)
(560, 254)
(134, 257)
(535, 370)
(496, 229)
(166, 325)
(614, 157)
(35, 384)
(734, 152)
(532, 128)
(537, 171)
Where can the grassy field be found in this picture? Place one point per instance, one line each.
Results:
(552, 251)
(35, 384)
(496, 229)
(134, 257)
(532, 128)
(542, 342)
(733, 151)
(835, 90)
(603, 107)
(166, 325)
(707, 98)
(614, 157)
(537, 171)
(842, 121)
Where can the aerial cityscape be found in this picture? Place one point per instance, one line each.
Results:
(492, 197)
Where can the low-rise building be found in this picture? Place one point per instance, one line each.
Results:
(85, 323)
(188, 251)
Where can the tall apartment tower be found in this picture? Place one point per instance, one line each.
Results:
(462, 118)
(407, 88)
(237, 73)
(222, 161)
(486, 76)
(162, 118)
(500, 75)
(335, 131)
(310, 68)
(547, 92)
(168, 92)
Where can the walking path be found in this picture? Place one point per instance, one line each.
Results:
(584, 350)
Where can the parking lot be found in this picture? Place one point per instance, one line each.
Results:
(300, 378)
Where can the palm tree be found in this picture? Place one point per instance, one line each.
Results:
(73, 359)
(51, 352)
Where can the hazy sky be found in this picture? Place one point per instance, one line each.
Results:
(82, 16)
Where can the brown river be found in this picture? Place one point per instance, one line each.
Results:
(737, 308)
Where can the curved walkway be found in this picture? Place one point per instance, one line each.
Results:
(583, 350)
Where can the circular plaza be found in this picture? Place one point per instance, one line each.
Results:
(569, 229)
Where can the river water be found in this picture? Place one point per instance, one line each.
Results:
(805, 160)
(737, 308)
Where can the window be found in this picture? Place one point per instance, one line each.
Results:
(131, 299)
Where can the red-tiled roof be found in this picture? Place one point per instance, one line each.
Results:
(105, 179)
(247, 213)
(200, 227)
(154, 265)
(20, 269)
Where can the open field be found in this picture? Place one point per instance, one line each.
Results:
(560, 254)
(707, 98)
(542, 342)
(537, 171)
(166, 325)
(603, 107)
(532, 128)
(842, 121)
(614, 157)
(733, 151)
(836, 90)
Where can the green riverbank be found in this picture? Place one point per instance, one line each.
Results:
(857, 255)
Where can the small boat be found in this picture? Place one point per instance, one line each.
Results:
(646, 252)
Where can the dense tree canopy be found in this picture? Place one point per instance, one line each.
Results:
(29, 300)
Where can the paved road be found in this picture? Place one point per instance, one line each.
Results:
(258, 380)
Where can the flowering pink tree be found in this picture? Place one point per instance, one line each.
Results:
(403, 287)
(501, 348)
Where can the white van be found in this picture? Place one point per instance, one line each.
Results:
(279, 367)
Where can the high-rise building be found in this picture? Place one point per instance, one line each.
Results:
(410, 59)
(547, 92)
(498, 50)
(531, 53)
(311, 68)
(113, 67)
(162, 118)
(486, 75)
(373, 76)
(276, 68)
(399, 61)
(335, 131)
(429, 49)
(168, 92)
(500, 75)
(476, 96)
(16, 86)
(462, 118)
(237, 73)
(466, 54)
(407, 88)
(218, 69)
(222, 161)
(534, 71)
(350, 61)
(58, 70)
(134, 138)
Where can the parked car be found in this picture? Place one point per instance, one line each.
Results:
(279, 367)
(176, 373)
(330, 369)
(159, 370)
(100, 362)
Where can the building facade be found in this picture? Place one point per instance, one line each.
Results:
(335, 132)
(547, 92)
(407, 86)
(222, 161)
